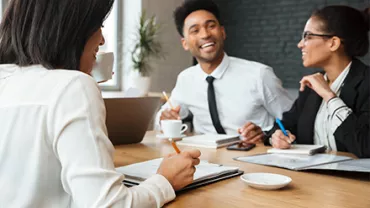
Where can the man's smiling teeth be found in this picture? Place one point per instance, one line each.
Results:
(207, 45)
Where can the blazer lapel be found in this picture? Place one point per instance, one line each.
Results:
(309, 112)
(355, 76)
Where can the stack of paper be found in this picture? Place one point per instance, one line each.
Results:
(300, 149)
(210, 140)
(139, 172)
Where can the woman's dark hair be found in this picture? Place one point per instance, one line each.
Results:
(190, 6)
(349, 24)
(52, 33)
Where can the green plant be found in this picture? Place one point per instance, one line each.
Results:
(147, 45)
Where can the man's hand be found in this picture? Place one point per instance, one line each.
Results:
(251, 133)
(280, 141)
(171, 114)
(179, 169)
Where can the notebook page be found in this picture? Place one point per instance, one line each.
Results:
(139, 172)
(207, 170)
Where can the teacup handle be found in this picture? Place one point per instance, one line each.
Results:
(184, 127)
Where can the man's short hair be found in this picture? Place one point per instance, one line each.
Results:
(190, 6)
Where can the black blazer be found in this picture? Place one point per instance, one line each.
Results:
(353, 134)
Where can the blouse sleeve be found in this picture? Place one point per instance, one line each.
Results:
(80, 142)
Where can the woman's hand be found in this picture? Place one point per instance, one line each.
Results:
(318, 84)
(280, 141)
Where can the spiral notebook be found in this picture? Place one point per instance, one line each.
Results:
(205, 173)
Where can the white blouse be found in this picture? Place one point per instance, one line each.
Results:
(54, 149)
(331, 114)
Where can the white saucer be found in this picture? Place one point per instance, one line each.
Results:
(162, 136)
(266, 181)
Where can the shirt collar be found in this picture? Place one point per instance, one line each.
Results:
(220, 70)
(337, 84)
(8, 70)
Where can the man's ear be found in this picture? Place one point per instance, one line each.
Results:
(223, 32)
(184, 44)
(335, 43)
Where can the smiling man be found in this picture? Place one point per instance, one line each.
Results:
(221, 94)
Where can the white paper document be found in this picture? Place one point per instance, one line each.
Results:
(293, 162)
(360, 165)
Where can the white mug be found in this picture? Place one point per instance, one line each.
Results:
(173, 128)
(103, 68)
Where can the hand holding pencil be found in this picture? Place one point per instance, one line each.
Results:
(179, 169)
(173, 113)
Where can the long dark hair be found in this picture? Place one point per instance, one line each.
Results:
(349, 24)
(52, 33)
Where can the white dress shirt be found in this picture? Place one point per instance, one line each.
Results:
(331, 114)
(245, 91)
(54, 150)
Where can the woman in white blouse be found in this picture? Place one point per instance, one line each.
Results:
(333, 107)
(54, 149)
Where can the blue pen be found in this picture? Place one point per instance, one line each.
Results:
(281, 126)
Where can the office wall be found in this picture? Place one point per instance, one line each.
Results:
(176, 59)
(129, 18)
(268, 31)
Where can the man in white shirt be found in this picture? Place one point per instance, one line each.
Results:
(223, 94)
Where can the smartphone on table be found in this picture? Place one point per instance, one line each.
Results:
(241, 147)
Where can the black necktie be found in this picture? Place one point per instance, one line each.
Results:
(213, 107)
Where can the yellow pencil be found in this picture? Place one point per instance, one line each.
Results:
(175, 147)
(172, 141)
(168, 100)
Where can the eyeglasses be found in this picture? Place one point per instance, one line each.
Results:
(305, 35)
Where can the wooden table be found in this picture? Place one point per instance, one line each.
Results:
(308, 189)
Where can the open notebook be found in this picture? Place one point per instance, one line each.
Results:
(307, 162)
(205, 172)
(210, 140)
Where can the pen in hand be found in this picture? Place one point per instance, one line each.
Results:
(285, 132)
(282, 127)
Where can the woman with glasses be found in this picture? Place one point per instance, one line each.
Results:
(54, 149)
(333, 106)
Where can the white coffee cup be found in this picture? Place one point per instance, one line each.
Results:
(173, 128)
(103, 68)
